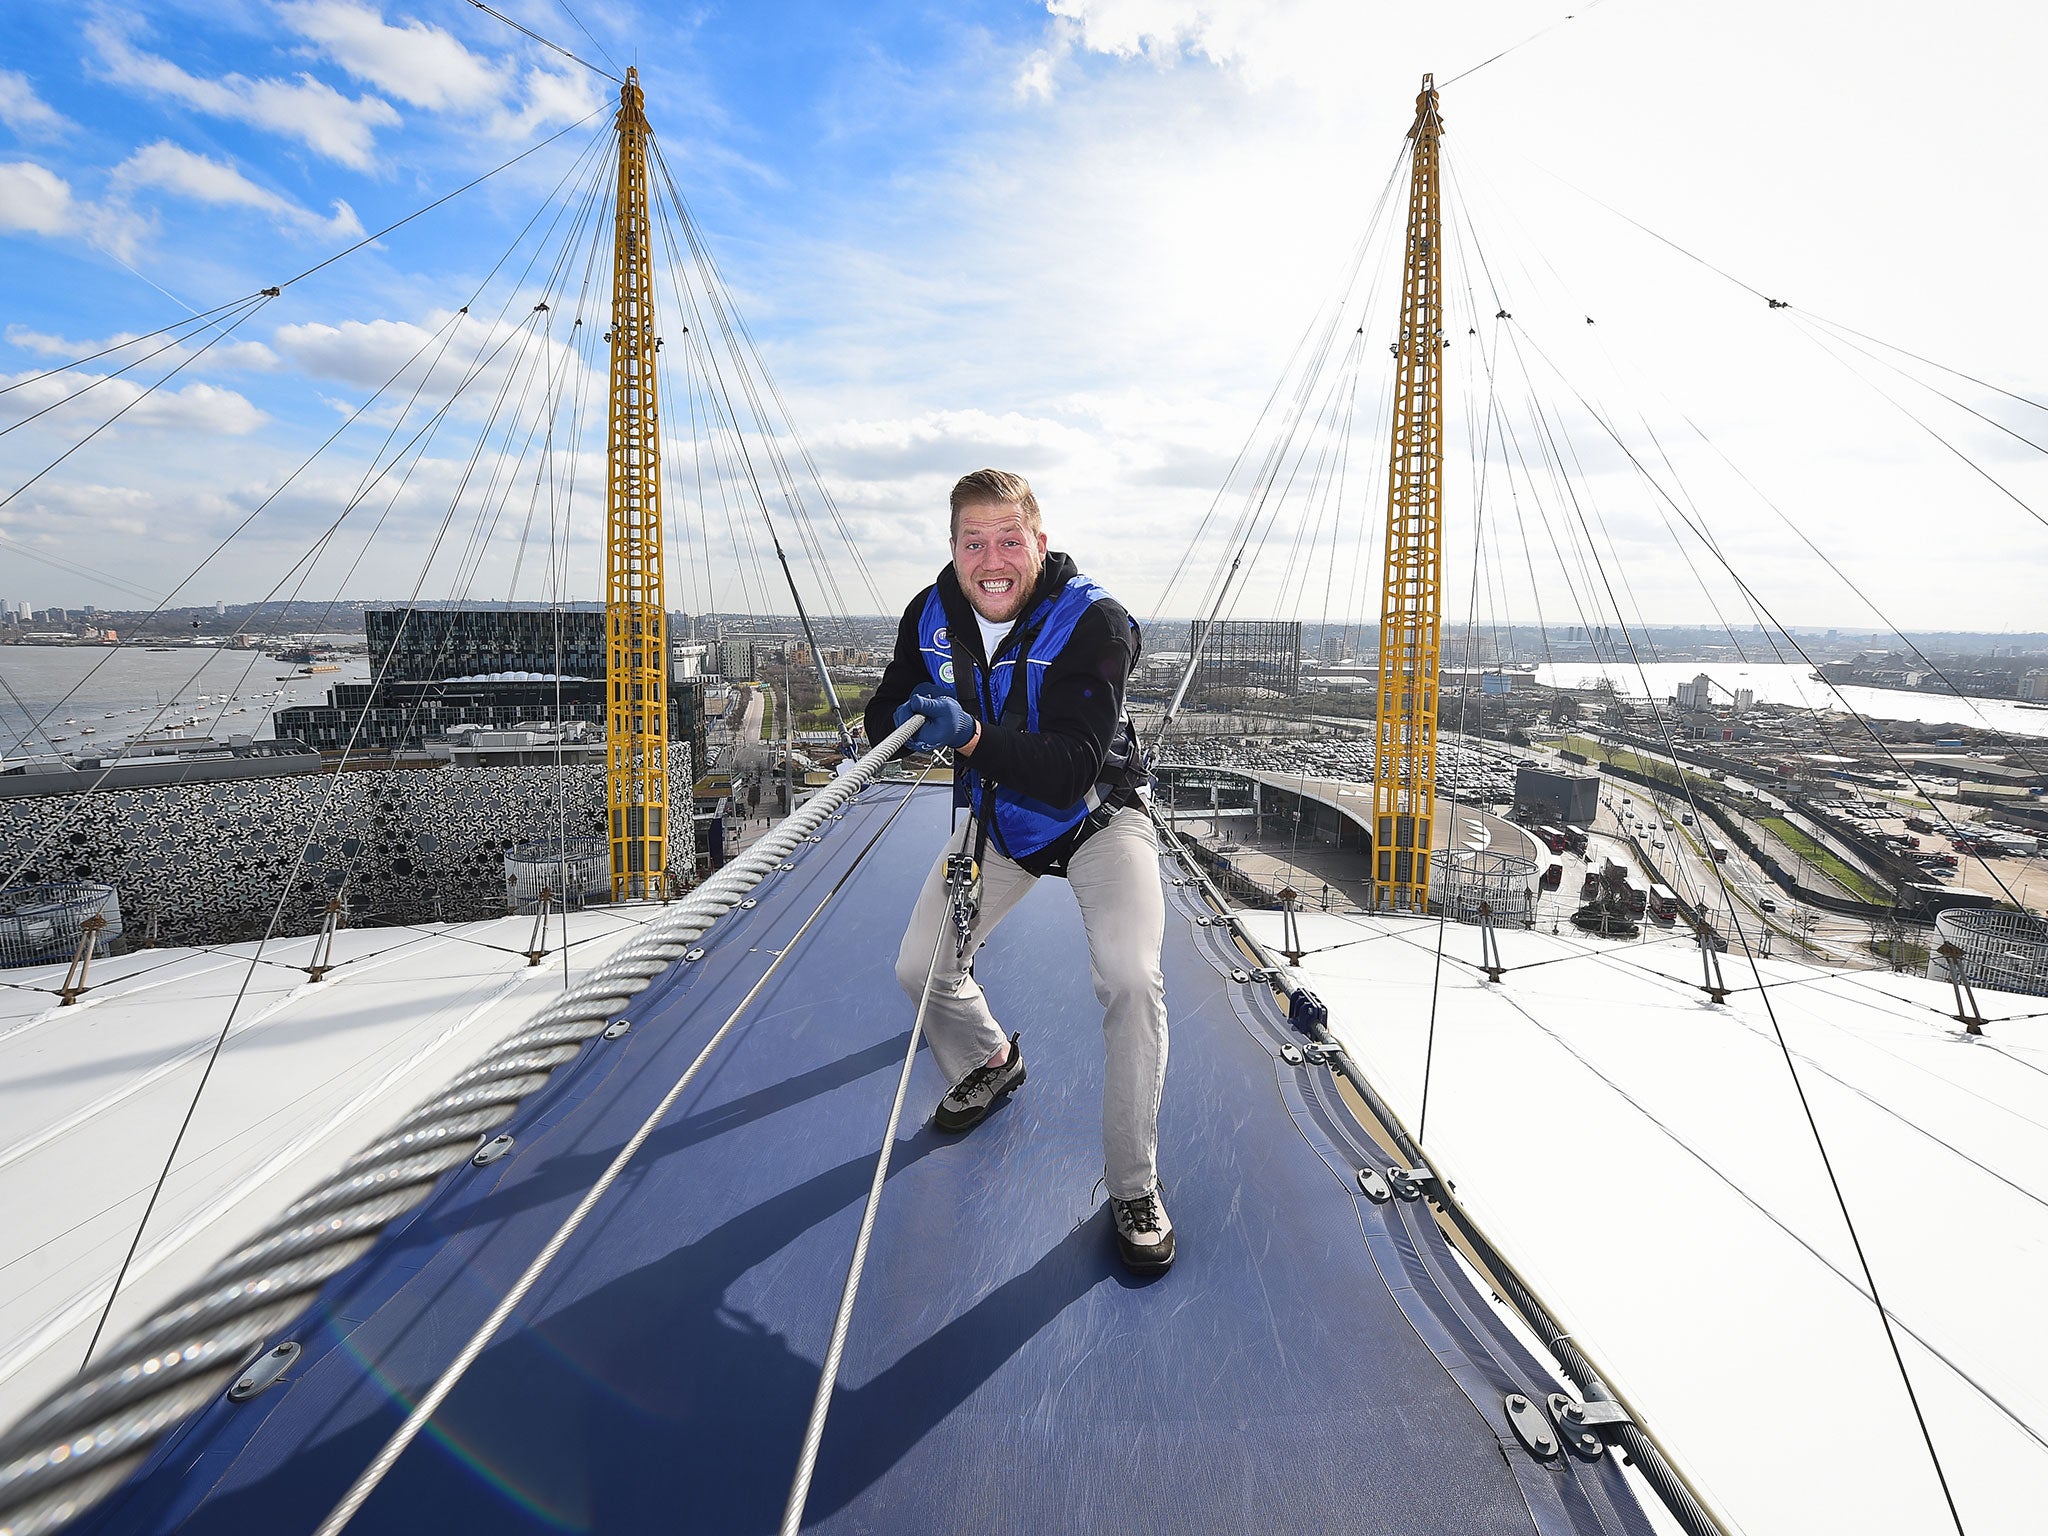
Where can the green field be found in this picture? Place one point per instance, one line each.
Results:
(1622, 757)
(1826, 861)
(1903, 954)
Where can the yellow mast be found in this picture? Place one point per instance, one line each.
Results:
(635, 606)
(1411, 605)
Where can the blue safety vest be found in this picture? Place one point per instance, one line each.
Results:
(1020, 826)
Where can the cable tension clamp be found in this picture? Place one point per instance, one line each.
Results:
(963, 896)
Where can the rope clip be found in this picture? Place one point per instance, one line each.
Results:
(963, 895)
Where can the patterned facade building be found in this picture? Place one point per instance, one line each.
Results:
(418, 645)
(206, 863)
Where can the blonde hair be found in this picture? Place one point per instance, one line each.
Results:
(999, 486)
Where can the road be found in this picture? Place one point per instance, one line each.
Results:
(1683, 865)
(1268, 849)
(752, 761)
(749, 751)
(1825, 936)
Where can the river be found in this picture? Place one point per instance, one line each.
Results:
(96, 696)
(1779, 683)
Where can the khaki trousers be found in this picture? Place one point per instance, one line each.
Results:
(1115, 878)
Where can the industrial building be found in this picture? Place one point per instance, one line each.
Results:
(433, 669)
(1246, 653)
(1543, 795)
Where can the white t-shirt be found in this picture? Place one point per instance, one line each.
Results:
(992, 635)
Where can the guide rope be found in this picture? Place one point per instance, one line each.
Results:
(547, 43)
(963, 883)
(381, 1464)
(1525, 42)
(79, 1442)
(1647, 1453)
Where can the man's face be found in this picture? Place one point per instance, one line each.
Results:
(997, 558)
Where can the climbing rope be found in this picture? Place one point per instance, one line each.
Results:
(963, 889)
(77, 1445)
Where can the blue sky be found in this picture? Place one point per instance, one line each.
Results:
(1077, 238)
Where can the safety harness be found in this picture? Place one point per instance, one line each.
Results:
(1125, 770)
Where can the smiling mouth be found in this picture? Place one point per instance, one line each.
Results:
(996, 586)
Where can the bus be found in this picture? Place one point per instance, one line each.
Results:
(1719, 850)
(1663, 904)
(1552, 839)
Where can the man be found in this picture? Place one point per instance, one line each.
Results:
(1017, 662)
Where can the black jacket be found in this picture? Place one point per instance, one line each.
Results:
(1080, 701)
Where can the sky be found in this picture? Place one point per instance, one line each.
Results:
(1079, 239)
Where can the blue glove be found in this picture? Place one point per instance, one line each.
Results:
(914, 705)
(946, 724)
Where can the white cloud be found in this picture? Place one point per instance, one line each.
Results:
(24, 111)
(484, 358)
(169, 167)
(1166, 30)
(36, 199)
(939, 442)
(553, 97)
(314, 113)
(421, 65)
(1035, 79)
(53, 514)
(362, 352)
(1161, 32)
(429, 68)
(197, 407)
(239, 356)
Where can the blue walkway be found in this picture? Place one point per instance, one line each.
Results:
(1313, 1363)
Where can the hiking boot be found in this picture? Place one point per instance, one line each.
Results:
(1144, 1235)
(968, 1102)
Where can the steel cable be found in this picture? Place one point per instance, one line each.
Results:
(828, 1374)
(366, 1483)
(76, 1445)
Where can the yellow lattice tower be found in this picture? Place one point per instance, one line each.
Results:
(1411, 605)
(635, 602)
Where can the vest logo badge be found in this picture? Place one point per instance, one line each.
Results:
(941, 640)
(946, 670)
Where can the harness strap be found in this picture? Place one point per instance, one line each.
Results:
(1125, 762)
(1017, 702)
